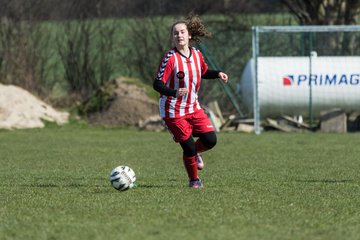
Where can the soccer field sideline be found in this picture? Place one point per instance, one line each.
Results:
(55, 185)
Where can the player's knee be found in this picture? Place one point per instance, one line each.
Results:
(209, 140)
(211, 143)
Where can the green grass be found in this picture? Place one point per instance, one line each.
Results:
(54, 185)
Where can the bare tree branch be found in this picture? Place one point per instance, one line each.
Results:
(324, 12)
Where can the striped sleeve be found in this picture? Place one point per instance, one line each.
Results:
(165, 68)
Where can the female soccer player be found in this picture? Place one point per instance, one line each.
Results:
(178, 81)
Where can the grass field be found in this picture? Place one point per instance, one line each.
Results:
(54, 185)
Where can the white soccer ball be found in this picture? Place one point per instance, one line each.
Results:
(122, 178)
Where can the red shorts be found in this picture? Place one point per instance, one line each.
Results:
(192, 124)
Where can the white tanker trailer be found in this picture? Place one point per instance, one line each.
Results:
(289, 85)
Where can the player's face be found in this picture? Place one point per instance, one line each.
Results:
(180, 35)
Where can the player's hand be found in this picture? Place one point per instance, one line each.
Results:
(181, 92)
(224, 77)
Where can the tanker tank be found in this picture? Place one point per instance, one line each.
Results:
(288, 85)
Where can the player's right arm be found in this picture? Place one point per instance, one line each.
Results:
(164, 90)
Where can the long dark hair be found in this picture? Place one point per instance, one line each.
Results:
(195, 27)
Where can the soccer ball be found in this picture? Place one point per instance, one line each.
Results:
(122, 178)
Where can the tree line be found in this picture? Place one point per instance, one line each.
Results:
(80, 9)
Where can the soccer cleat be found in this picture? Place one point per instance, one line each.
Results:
(195, 183)
(199, 161)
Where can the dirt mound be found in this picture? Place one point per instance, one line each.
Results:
(130, 107)
(20, 109)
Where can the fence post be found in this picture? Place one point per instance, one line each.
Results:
(255, 48)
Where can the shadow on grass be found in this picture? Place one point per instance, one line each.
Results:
(76, 183)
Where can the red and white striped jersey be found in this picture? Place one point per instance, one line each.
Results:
(176, 71)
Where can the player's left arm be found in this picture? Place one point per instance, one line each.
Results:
(212, 74)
